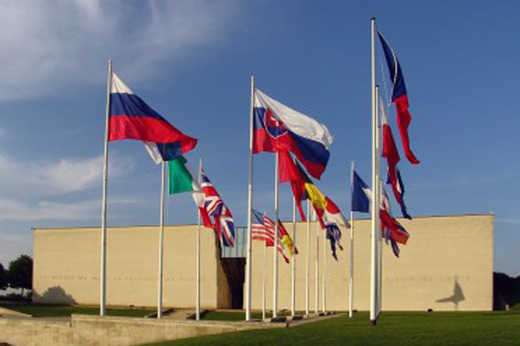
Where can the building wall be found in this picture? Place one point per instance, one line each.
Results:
(446, 265)
(67, 266)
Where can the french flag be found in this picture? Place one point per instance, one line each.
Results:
(361, 194)
(131, 118)
(278, 128)
(399, 97)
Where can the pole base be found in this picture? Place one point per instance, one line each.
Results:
(373, 322)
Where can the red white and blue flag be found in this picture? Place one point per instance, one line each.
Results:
(262, 228)
(215, 207)
(131, 118)
(399, 97)
(390, 227)
(278, 128)
(391, 154)
(361, 194)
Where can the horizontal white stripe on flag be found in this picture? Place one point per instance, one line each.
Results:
(118, 86)
(299, 123)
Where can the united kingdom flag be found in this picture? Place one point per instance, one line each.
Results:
(223, 222)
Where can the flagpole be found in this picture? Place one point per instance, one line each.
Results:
(161, 241)
(250, 206)
(103, 269)
(275, 241)
(307, 268)
(380, 251)
(264, 282)
(293, 263)
(374, 270)
(324, 283)
(380, 184)
(197, 309)
(317, 281)
(351, 281)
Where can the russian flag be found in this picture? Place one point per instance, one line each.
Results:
(399, 97)
(279, 128)
(132, 118)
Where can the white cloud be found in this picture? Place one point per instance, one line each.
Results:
(50, 45)
(17, 211)
(56, 211)
(34, 179)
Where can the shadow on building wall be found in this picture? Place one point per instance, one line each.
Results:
(456, 297)
(54, 295)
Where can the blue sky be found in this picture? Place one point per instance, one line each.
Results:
(192, 62)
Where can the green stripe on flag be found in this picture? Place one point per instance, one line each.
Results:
(180, 177)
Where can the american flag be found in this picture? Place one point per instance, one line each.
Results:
(262, 228)
(223, 220)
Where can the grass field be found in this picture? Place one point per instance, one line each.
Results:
(237, 316)
(41, 310)
(394, 328)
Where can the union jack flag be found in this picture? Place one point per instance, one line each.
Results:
(222, 218)
(392, 230)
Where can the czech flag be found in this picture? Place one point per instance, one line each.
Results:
(399, 97)
(278, 128)
(132, 118)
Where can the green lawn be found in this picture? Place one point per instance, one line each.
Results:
(41, 310)
(238, 316)
(394, 328)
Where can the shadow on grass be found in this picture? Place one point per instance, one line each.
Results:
(60, 310)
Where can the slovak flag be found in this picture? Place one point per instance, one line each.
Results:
(278, 128)
(131, 118)
(215, 207)
(399, 97)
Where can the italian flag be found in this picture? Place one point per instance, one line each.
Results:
(183, 179)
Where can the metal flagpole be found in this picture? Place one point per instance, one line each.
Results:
(275, 240)
(249, 206)
(264, 281)
(307, 268)
(380, 185)
(161, 241)
(351, 281)
(380, 252)
(374, 270)
(324, 283)
(293, 263)
(197, 308)
(103, 269)
(317, 281)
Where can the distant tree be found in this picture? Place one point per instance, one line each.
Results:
(20, 273)
(3, 278)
